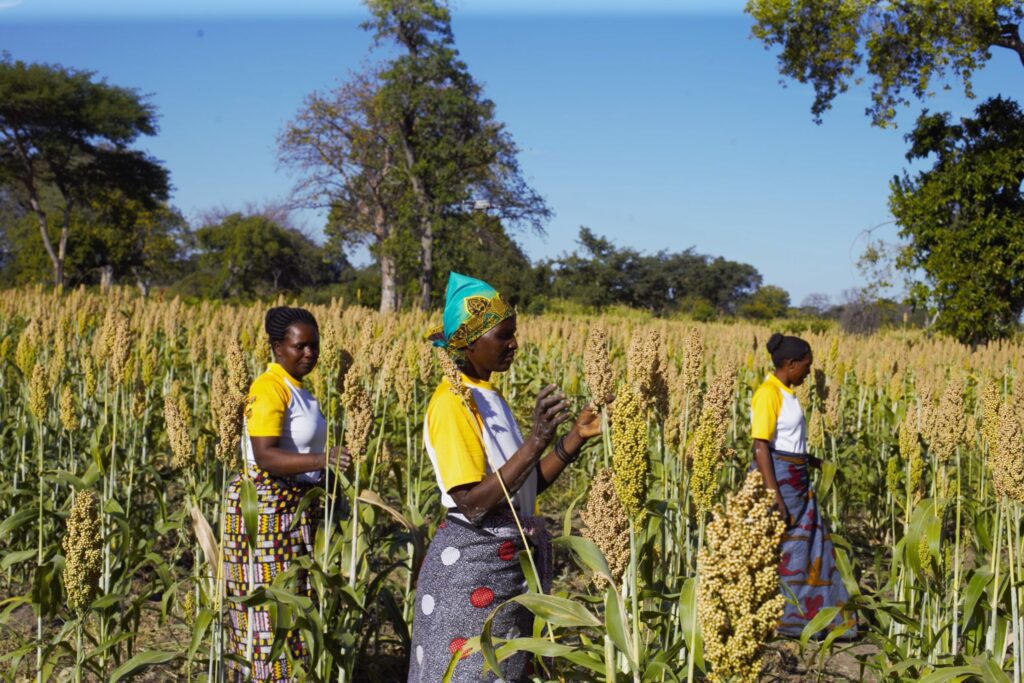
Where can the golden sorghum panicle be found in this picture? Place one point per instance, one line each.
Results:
(924, 553)
(82, 545)
(705, 447)
(910, 449)
(892, 475)
(89, 376)
(238, 371)
(832, 358)
(149, 366)
(424, 363)
(692, 361)
(405, 376)
(218, 392)
(120, 350)
(68, 414)
(629, 450)
(25, 352)
(927, 414)
(642, 362)
(177, 418)
(950, 425)
(227, 402)
(606, 524)
(833, 402)
(58, 358)
(738, 597)
(816, 432)
(229, 436)
(358, 420)
(674, 422)
(38, 392)
(895, 385)
(453, 375)
(388, 369)
(1002, 431)
(597, 368)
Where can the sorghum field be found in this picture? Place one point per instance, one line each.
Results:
(120, 423)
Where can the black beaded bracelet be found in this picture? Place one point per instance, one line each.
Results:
(562, 455)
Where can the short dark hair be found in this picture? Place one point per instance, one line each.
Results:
(280, 318)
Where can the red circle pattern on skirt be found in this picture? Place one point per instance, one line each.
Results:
(456, 645)
(507, 551)
(481, 597)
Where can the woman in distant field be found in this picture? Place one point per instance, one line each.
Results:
(284, 442)
(808, 572)
(475, 446)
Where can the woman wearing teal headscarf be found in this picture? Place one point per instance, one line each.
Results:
(479, 453)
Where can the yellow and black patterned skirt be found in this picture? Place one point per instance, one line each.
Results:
(277, 544)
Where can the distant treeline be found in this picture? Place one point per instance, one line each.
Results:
(257, 254)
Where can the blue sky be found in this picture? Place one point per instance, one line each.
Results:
(659, 124)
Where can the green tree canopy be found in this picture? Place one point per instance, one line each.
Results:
(904, 47)
(116, 237)
(401, 153)
(766, 303)
(63, 130)
(601, 274)
(446, 142)
(249, 256)
(964, 219)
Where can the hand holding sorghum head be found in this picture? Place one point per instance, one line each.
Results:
(550, 411)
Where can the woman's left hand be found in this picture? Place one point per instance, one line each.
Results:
(339, 458)
(589, 423)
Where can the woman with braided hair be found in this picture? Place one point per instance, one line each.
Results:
(479, 457)
(284, 443)
(808, 571)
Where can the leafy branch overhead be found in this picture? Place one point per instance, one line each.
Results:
(902, 49)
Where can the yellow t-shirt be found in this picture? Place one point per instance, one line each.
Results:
(776, 417)
(269, 396)
(278, 405)
(766, 406)
(456, 437)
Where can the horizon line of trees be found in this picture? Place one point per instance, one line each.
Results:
(256, 253)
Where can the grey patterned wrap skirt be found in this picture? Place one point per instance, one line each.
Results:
(808, 566)
(468, 571)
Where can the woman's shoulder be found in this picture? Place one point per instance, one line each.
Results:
(767, 391)
(269, 383)
(444, 401)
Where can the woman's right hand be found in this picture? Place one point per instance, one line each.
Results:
(780, 507)
(338, 457)
(549, 412)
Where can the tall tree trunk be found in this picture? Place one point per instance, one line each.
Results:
(388, 284)
(44, 232)
(106, 278)
(426, 261)
(426, 276)
(140, 282)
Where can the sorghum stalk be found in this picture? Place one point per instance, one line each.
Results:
(358, 425)
(38, 407)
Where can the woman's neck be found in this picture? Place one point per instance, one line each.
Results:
(783, 377)
(474, 373)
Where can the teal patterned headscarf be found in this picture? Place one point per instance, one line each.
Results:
(471, 308)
